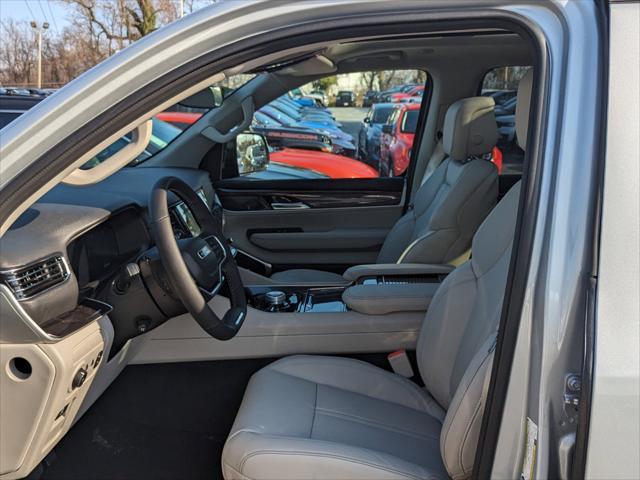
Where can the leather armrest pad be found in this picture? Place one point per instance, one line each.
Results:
(382, 299)
(372, 270)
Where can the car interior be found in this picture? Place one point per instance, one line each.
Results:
(177, 319)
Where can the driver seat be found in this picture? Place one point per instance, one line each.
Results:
(309, 417)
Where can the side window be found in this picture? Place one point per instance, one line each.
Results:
(333, 127)
(502, 84)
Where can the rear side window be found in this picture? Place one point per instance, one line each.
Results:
(502, 85)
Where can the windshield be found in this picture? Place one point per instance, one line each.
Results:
(410, 121)
(381, 115)
(162, 133)
(263, 120)
(283, 107)
(279, 115)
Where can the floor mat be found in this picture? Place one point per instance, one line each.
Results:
(164, 421)
(160, 422)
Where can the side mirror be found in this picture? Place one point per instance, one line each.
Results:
(387, 128)
(252, 153)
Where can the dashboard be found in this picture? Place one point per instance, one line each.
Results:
(95, 232)
(70, 300)
(98, 254)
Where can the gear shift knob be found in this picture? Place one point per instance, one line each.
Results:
(276, 298)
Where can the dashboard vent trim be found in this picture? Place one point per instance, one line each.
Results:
(38, 277)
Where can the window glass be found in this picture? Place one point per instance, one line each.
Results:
(178, 118)
(502, 85)
(332, 128)
(162, 133)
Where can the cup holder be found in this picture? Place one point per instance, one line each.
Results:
(20, 368)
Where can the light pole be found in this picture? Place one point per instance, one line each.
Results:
(39, 30)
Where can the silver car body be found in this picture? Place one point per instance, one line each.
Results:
(561, 223)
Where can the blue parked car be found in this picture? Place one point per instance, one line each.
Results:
(343, 141)
(296, 104)
(371, 131)
(301, 114)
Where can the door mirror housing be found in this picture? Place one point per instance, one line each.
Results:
(252, 153)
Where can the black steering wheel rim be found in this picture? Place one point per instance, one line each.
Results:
(180, 277)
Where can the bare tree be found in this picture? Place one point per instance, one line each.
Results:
(17, 53)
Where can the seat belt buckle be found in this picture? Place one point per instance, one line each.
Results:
(399, 361)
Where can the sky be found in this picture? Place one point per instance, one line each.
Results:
(51, 11)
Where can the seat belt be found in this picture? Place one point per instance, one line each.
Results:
(400, 363)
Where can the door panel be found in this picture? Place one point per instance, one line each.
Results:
(333, 222)
(313, 236)
(335, 239)
(240, 194)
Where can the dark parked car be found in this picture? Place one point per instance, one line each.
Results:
(12, 106)
(370, 132)
(346, 98)
(370, 98)
(500, 96)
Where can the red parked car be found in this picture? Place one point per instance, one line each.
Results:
(327, 164)
(397, 139)
(416, 91)
(182, 120)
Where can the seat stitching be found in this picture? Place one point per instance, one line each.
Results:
(446, 428)
(466, 434)
(373, 369)
(363, 420)
(315, 409)
(324, 455)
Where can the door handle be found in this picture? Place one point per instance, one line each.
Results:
(289, 206)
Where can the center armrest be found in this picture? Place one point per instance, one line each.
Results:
(381, 299)
(396, 269)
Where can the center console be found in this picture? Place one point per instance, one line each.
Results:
(376, 289)
(296, 299)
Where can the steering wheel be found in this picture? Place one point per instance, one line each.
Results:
(197, 266)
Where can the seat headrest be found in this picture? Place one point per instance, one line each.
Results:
(470, 128)
(523, 105)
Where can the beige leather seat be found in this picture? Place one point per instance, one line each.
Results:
(313, 417)
(450, 206)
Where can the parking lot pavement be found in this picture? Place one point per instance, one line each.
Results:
(350, 117)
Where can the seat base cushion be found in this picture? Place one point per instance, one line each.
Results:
(307, 276)
(329, 417)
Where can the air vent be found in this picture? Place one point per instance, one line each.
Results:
(36, 278)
